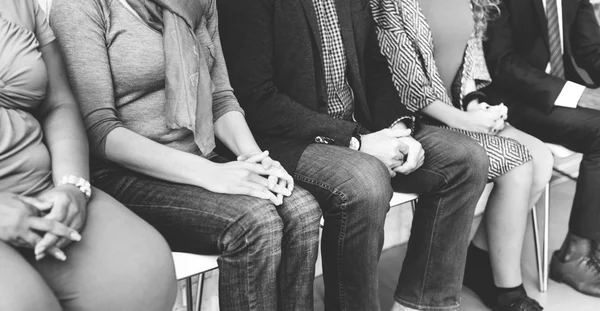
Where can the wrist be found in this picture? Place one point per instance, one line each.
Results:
(406, 122)
(588, 98)
(82, 185)
(250, 152)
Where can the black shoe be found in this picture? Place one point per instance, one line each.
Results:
(576, 264)
(516, 303)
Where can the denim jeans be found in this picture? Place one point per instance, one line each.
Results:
(267, 253)
(354, 191)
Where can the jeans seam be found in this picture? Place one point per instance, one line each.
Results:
(431, 241)
(176, 207)
(340, 260)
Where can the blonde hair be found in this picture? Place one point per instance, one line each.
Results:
(483, 11)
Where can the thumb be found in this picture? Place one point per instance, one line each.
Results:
(399, 132)
(37, 203)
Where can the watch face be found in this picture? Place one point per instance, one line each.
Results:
(354, 144)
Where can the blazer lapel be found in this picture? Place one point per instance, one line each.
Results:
(311, 15)
(539, 6)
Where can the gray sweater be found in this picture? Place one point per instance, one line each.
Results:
(116, 67)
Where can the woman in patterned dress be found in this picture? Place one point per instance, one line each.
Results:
(434, 50)
(63, 245)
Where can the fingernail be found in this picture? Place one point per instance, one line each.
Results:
(75, 236)
(40, 257)
(60, 256)
(39, 250)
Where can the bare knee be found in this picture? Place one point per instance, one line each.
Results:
(21, 287)
(543, 161)
(519, 178)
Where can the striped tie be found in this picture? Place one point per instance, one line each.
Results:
(556, 55)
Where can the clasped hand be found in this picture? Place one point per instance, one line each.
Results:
(254, 174)
(23, 220)
(396, 149)
(483, 118)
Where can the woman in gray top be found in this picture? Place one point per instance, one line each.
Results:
(154, 91)
(63, 245)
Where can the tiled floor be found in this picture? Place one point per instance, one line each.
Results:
(559, 297)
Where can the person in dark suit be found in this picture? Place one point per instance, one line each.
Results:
(534, 49)
(317, 93)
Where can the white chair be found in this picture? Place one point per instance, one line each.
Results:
(189, 265)
(561, 152)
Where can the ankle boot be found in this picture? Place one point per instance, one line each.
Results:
(574, 265)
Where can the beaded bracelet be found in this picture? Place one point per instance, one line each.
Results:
(81, 183)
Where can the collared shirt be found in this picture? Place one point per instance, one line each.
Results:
(340, 101)
(571, 92)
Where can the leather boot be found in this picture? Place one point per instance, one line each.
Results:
(575, 265)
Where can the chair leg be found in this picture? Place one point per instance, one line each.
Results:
(199, 292)
(538, 253)
(188, 294)
(546, 238)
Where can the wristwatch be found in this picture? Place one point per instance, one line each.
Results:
(355, 143)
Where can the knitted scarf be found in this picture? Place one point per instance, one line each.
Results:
(188, 85)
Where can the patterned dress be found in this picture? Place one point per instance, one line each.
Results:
(407, 41)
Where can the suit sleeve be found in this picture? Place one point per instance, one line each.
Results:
(382, 96)
(585, 40)
(511, 73)
(247, 36)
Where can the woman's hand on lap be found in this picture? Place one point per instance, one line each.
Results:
(267, 162)
(69, 207)
(20, 222)
(483, 118)
(245, 178)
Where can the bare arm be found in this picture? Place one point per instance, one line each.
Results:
(61, 120)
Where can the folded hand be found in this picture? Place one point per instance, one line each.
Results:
(20, 223)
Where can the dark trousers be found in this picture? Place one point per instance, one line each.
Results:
(354, 191)
(579, 130)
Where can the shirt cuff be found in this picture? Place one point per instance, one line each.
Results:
(570, 95)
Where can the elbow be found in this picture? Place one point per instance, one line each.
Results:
(98, 134)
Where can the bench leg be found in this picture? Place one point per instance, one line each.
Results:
(541, 251)
(538, 252)
(188, 294)
(199, 292)
(545, 237)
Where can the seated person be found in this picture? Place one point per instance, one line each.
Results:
(452, 71)
(310, 78)
(154, 91)
(535, 74)
(63, 244)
